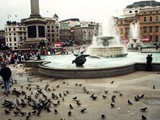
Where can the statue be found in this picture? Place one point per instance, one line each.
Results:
(80, 59)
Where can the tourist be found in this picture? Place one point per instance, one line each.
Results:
(5, 73)
(157, 47)
(149, 62)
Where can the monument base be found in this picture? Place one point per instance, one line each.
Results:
(32, 44)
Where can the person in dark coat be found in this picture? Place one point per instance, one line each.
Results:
(6, 73)
(149, 62)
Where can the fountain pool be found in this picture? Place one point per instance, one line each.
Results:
(60, 66)
(65, 61)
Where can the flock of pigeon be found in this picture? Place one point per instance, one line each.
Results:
(33, 100)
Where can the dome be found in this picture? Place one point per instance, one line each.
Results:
(143, 4)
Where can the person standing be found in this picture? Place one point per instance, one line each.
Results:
(6, 73)
(149, 62)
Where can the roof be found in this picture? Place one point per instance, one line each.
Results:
(143, 4)
(70, 19)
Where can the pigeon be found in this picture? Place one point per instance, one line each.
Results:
(113, 98)
(129, 102)
(102, 116)
(55, 111)
(112, 105)
(70, 106)
(16, 112)
(74, 98)
(78, 103)
(136, 99)
(143, 109)
(142, 96)
(69, 113)
(83, 110)
(154, 87)
(144, 117)
(105, 91)
(94, 97)
(23, 113)
(112, 82)
(7, 111)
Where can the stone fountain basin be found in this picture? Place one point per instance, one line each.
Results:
(107, 51)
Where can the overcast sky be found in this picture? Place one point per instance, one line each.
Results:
(85, 10)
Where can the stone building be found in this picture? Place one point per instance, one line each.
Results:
(52, 28)
(85, 31)
(15, 34)
(67, 29)
(147, 13)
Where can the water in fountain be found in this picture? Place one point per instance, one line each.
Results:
(108, 44)
(134, 32)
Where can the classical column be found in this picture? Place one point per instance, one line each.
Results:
(34, 7)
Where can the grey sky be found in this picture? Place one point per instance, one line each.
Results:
(88, 10)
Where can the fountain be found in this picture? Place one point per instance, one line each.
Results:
(134, 35)
(60, 66)
(103, 48)
(107, 45)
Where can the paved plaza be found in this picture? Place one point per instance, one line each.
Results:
(114, 98)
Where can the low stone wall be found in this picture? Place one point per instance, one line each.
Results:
(142, 66)
(86, 73)
(79, 73)
(32, 63)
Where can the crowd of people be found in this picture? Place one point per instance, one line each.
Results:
(16, 57)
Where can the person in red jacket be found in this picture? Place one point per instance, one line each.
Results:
(5, 73)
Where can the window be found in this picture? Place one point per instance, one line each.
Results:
(150, 29)
(157, 27)
(121, 30)
(144, 29)
(156, 18)
(14, 39)
(144, 19)
(150, 18)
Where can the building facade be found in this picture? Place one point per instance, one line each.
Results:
(147, 14)
(67, 30)
(52, 29)
(85, 32)
(15, 34)
(149, 20)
